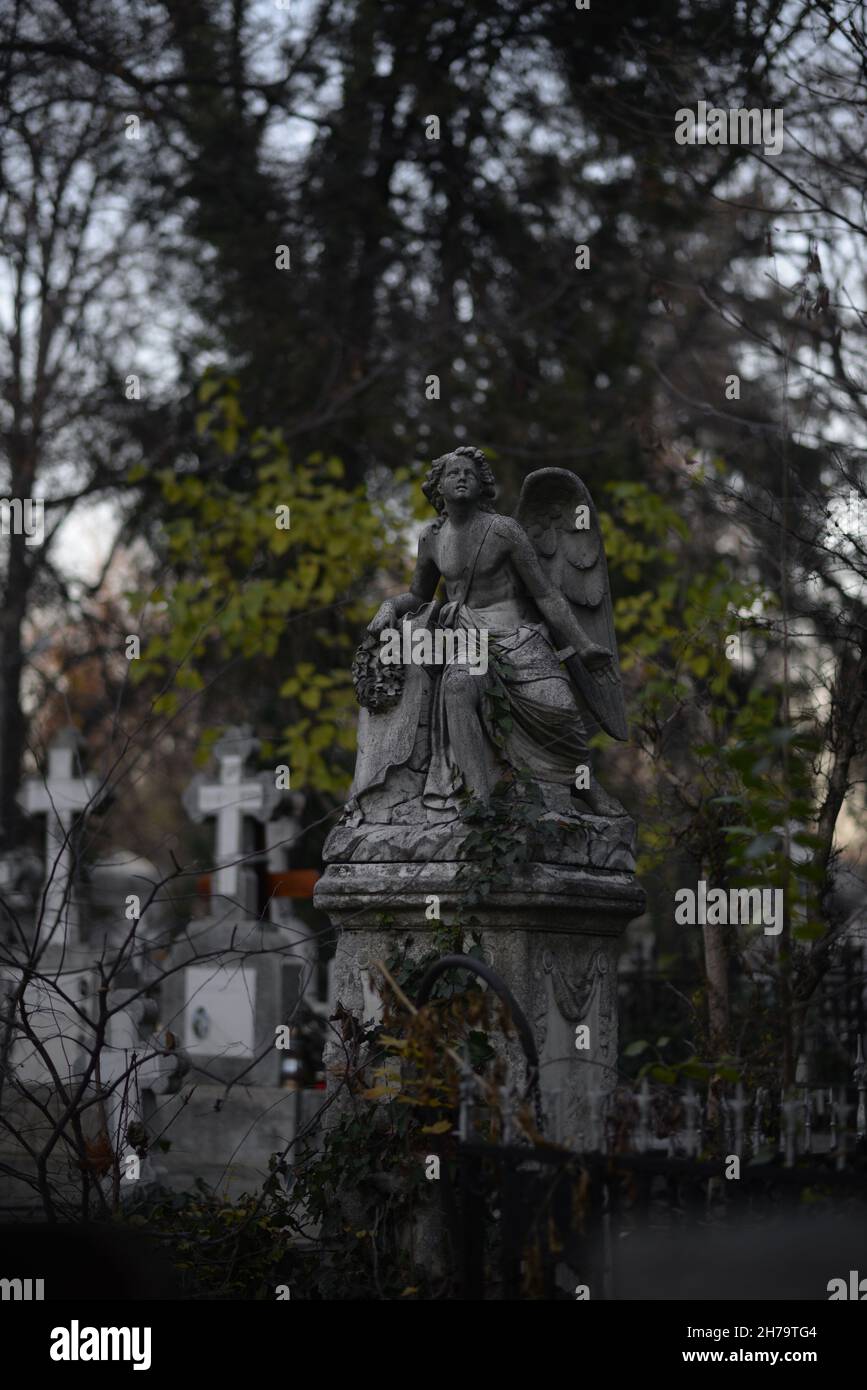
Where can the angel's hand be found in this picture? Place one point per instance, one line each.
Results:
(596, 658)
(385, 616)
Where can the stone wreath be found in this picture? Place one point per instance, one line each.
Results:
(377, 687)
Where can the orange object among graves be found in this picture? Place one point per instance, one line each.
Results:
(293, 883)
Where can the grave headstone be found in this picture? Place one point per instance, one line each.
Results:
(63, 796)
(137, 1067)
(20, 889)
(234, 976)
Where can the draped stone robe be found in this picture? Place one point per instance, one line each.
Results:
(543, 734)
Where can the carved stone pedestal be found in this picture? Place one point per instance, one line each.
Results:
(552, 938)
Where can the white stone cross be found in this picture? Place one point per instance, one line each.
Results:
(60, 796)
(230, 800)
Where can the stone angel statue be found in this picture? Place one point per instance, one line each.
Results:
(534, 589)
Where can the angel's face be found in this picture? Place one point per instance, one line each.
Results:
(460, 481)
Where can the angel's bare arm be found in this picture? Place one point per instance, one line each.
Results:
(422, 589)
(562, 623)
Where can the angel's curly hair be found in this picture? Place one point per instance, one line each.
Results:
(431, 485)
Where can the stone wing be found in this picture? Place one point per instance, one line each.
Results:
(574, 559)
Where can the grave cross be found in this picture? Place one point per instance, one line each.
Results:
(61, 797)
(235, 796)
(281, 834)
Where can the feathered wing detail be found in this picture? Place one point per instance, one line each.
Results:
(574, 559)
